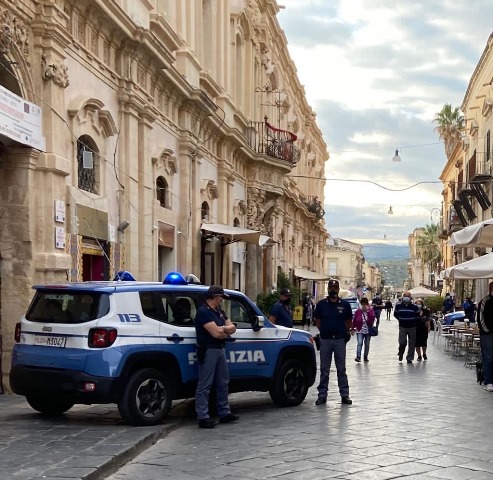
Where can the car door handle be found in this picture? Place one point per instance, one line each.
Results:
(175, 338)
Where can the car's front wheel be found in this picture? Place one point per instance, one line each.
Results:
(47, 405)
(147, 397)
(290, 384)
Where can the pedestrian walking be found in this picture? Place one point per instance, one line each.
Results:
(307, 312)
(448, 304)
(377, 305)
(469, 309)
(281, 313)
(388, 308)
(406, 312)
(422, 330)
(333, 317)
(363, 318)
(485, 323)
(212, 328)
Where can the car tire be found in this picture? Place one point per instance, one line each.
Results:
(146, 399)
(290, 385)
(48, 405)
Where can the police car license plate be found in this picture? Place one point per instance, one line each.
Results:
(50, 341)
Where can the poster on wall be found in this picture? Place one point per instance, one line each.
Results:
(60, 237)
(20, 120)
(59, 211)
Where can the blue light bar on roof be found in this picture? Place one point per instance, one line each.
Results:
(124, 276)
(175, 278)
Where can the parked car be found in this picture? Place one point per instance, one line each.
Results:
(133, 343)
(354, 302)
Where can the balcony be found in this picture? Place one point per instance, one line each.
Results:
(480, 168)
(314, 205)
(274, 142)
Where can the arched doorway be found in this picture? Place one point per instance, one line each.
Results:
(8, 80)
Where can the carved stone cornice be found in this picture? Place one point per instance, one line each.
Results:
(167, 161)
(55, 71)
(13, 31)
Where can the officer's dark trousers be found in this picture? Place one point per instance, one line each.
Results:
(337, 347)
(214, 371)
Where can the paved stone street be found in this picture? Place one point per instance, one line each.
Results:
(423, 421)
(428, 420)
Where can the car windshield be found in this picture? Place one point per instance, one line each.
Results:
(67, 307)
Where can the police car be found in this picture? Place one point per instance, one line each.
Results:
(133, 343)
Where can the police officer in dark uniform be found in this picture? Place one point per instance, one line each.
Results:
(212, 328)
(333, 317)
(280, 313)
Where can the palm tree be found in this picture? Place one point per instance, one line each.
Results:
(450, 124)
(428, 246)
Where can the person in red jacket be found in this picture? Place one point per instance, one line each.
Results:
(363, 318)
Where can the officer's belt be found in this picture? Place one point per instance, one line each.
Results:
(328, 336)
(212, 345)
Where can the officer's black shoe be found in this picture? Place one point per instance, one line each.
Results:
(230, 417)
(207, 423)
(346, 401)
(321, 401)
(401, 355)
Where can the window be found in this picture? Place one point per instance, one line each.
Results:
(204, 212)
(87, 164)
(162, 192)
(332, 268)
(70, 307)
(487, 147)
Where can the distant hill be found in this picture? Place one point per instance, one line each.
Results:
(391, 260)
(373, 252)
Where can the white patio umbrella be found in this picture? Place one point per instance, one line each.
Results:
(480, 267)
(477, 235)
(422, 292)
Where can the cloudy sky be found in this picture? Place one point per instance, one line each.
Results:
(376, 72)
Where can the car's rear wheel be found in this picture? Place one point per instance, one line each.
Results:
(147, 398)
(290, 384)
(48, 405)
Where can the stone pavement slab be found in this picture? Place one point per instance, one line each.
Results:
(428, 420)
(88, 442)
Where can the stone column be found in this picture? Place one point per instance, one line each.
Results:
(188, 246)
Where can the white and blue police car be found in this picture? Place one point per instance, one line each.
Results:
(133, 343)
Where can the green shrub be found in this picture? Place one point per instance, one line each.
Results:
(266, 300)
(435, 304)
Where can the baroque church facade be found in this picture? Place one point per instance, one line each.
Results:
(174, 135)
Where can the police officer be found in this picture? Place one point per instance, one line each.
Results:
(333, 317)
(281, 313)
(212, 328)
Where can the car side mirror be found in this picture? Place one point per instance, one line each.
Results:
(258, 323)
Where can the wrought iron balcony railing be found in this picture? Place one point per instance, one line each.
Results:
(275, 142)
(480, 169)
(314, 205)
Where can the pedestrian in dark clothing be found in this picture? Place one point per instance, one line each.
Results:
(307, 312)
(377, 305)
(406, 312)
(281, 313)
(448, 304)
(212, 327)
(485, 323)
(388, 308)
(422, 330)
(333, 317)
(469, 309)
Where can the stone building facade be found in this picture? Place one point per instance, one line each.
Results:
(468, 174)
(159, 118)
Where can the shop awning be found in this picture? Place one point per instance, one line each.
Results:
(231, 234)
(309, 275)
(477, 235)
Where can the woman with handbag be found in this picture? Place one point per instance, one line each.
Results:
(363, 321)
